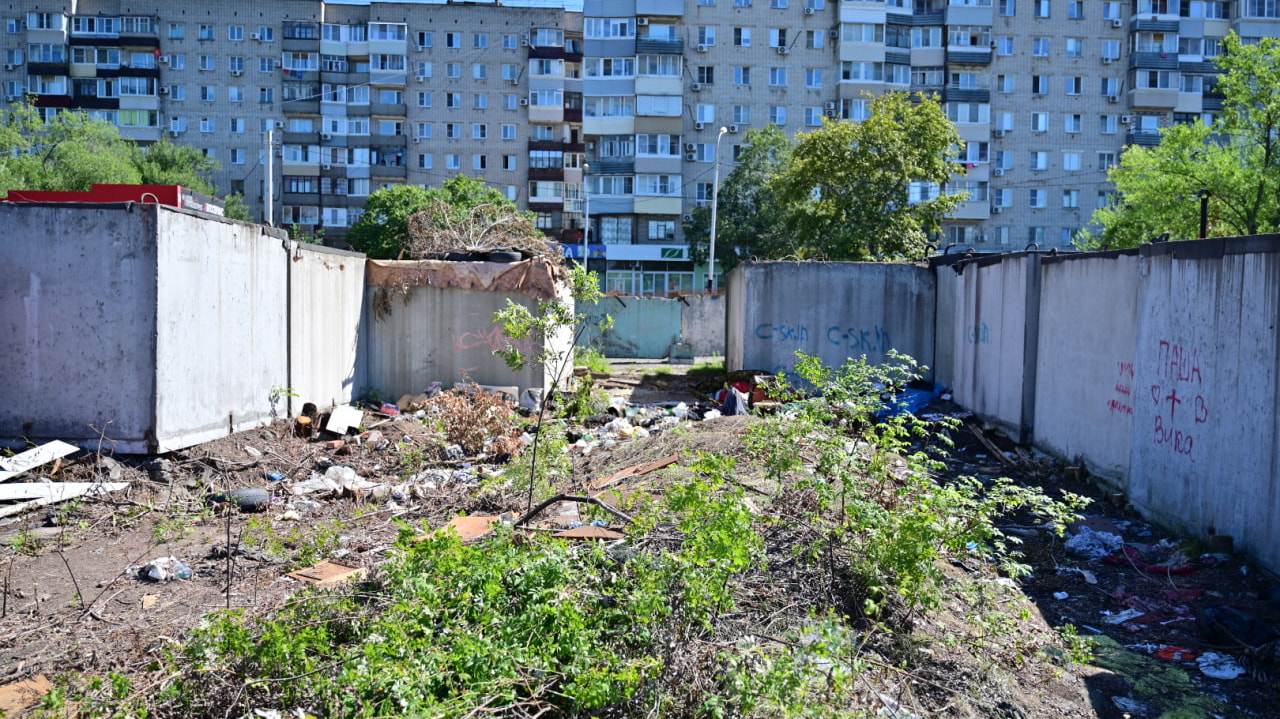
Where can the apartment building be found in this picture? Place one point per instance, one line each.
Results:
(610, 115)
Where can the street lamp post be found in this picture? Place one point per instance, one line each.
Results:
(586, 213)
(715, 201)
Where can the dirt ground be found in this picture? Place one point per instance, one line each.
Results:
(74, 600)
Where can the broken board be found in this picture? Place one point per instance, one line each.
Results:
(326, 573)
(39, 494)
(589, 532)
(11, 467)
(635, 471)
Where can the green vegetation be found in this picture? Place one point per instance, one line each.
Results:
(1236, 160)
(840, 192)
(591, 358)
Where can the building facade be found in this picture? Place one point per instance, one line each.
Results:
(609, 114)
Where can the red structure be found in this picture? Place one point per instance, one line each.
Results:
(171, 195)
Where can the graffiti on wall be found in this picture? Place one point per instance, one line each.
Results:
(1176, 393)
(1122, 401)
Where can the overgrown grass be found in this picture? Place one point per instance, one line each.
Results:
(591, 358)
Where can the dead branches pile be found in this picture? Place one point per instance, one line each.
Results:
(487, 227)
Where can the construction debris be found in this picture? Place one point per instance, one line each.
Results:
(11, 467)
(327, 572)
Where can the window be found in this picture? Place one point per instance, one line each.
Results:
(177, 92)
(969, 112)
(1040, 46)
(1110, 86)
(857, 110)
(480, 41)
(707, 36)
(427, 39)
(813, 78)
(1039, 122)
(742, 76)
(778, 37)
(266, 64)
(1071, 123)
(207, 62)
(778, 115)
(479, 131)
(742, 114)
(609, 28)
(1075, 85)
(813, 116)
(657, 185)
(206, 32)
(1039, 84)
(508, 132)
(1002, 197)
(209, 93)
(706, 75)
(1004, 46)
(657, 145)
(237, 125)
(1004, 160)
(1039, 160)
(1070, 199)
(425, 99)
(453, 40)
(479, 71)
(1071, 161)
(208, 124)
(479, 162)
(1042, 8)
(510, 102)
(266, 34)
(235, 93)
(1008, 8)
(1075, 9)
(453, 99)
(865, 71)
(424, 130)
(235, 33)
(177, 30)
(1006, 83)
(1075, 47)
(266, 95)
(1106, 160)
(509, 162)
(778, 77)
(1155, 79)
(1037, 198)
(235, 64)
(742, 36)
(1107, 124)
(706, 114)
(453, 162)
(453, 130)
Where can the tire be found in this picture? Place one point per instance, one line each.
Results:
(505, 256)
(248, 500)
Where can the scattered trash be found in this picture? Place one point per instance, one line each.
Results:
(1164, 558)
(735, 403)
(1219, 666)
(252, 451)
(454, 453)
(469, 528)
(39, 494)
(389, 409)
(275, 476)
(327, 572)
(1094, 545)
(1176, 654)
(1122, 617)
(589, 531)
(1127, 704)
(149, 601)
(1227, 626)
(164, 569)
(1061, 595)
(634, 471)
(344, 418)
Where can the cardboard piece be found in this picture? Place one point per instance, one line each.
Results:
(589, 531)
(469, 528)
(344, 418)
(635, 471)
(326, 573)
(19, 696)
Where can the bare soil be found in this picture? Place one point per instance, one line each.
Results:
(73, 601)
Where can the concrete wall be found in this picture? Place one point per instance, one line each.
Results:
(326, 304)
(77, 323)
(642, 326)
(833, 310)
(1085, 389)
(1205, 450)
(702, 324)
(422, 325)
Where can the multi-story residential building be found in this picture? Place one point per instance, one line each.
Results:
(610, 115)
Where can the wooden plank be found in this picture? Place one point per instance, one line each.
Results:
(327, 572)
(58, 495)
(634, 471)
(35, 457)
(55, 491)
(589, 532)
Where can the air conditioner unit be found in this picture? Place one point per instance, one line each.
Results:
(164, 59)
(699, 125)
(11, 98)
(830, 113)
(514, 81)
(237, 73)
(808, 11)
(834, 34)
(688, 218)
(326, 136)
(10, 67)
(254, 36)
(1108, 60)
(1117, 23)
(1000, 133)
(702, 48)
(996, 209)
(642, 21)
(782, 50)
(999, 172)
(279, 124)
(696, 87)
(1113, 98)
(1126, 119)
(524, 42)
(981, 237)
(690, 156)
(524, 101)
(419, 48)
(175, 133)
(690, 147)
(162, 91)
(828, 106)
(734, 128)
(422, 78)
(326, 167)
(416, 140)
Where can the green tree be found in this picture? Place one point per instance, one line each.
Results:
(750, 219)
(165, 163)
(382, 232)
(237, 208)
(847, 189)
(70, 151)
(1237, 161)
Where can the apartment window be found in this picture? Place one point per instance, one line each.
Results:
(706, 74)
(814, 39)
(206, 32)
(742, 36)
(1155, 79)
(176, 92)
(1039, 160)
(509, 162)
(742, 76)
(1075, 9)
(1039, 84)
(509, 102)
(1002, 197)
(479, 72)
(177, 30)
(453, 100)
(1110, 86)
(866, 71)
(237, 155)
(1070, 200)
(1004, 160)
(1104, 199)
(508, 132)
(778, 115)
(1075, 85)
(1107, 124)
(427, 39)
(425, 130)
(1042, 8)
(208, 124)
(742, 114)
(1006, 83)
(209, 93)
(706, 113)
(1040, 46)
(266, 34)
(1037, 198)
(453, 130)
(207, 62)
(479, 162)
(1106, 160)
(1075, 47)
(453, 70)
(1111, 10)
(453, 40)
(266, 95)
(235, 33)
(479, 131)
(266, 64)
(1036, 234)
(453, 162)
(706, 36)
(778, 76)
(1008, 8)
(481, 101)
(177, 62)
(778, 37)
(1193, 84)
(425, 99)
(969, 113)
(235, 93)
(1071, 161)
(1039, 122)
(425, 162)
(609, 28)
(1071, 123)
(480, 41)
(1004, 46)
(813, 78)
(858, 110)
(1111, 49)
(235, 64)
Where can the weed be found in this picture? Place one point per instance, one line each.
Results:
(171, 528)
(714, 367)
(585, 401)
(471, 417)
(591, 358)
(1079, 648)
(24, 542)
(296, 544)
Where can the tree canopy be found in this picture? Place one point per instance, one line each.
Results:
(843, 191)
(383, 231)
(1237, 161)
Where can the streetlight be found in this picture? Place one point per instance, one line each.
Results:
(586, 213)
(715, 200)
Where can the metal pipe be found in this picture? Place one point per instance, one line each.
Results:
(715, 201)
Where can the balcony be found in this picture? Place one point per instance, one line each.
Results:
(391, 140)
(1140, 25)
(968, 55)
(1153, 60)
(1145, 139)
(138, 72)
(301, 107)
(546, 204)
(96, 103)
(301, 138)
(659, 47)
(573, 114)
(897, 56)
(389, 109)
(52, 101)
(958, 93)
(48, 68)
(546, 173)
(613, 165)
(546, 145)
(548, 52)
(395, 172)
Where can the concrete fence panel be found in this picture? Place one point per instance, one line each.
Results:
(1085, 385)
(702, 324)
(642, 326)
(1205, 450)
(832, 310)
(326, 302)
